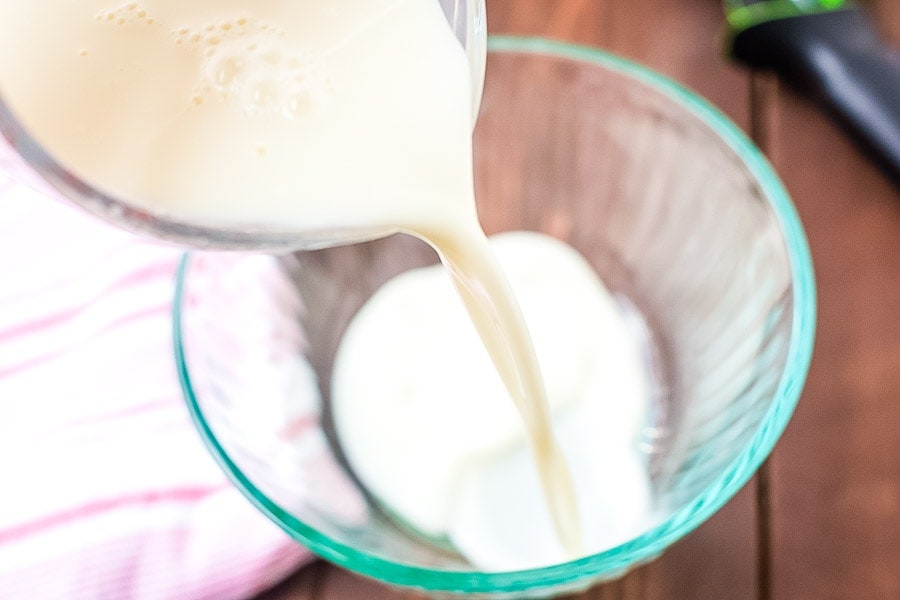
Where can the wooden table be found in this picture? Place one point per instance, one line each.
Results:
(830, 496)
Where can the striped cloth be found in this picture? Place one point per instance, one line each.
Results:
(107, 491)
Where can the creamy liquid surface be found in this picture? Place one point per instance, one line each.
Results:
(318, 115)
(410, 373)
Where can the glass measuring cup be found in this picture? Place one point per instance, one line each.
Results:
(38, 167)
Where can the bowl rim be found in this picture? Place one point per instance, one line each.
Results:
(614, 561)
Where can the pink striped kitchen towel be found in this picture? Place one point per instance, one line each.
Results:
(107, 491)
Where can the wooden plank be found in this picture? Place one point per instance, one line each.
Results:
(683, 39)
(307, 584)
(836, 473)
(577, 21)
(886, 16)
(716, 561)
(763, 113)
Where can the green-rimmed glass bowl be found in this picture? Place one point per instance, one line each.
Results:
(681, 216)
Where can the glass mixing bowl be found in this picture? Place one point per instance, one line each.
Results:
(679, 214)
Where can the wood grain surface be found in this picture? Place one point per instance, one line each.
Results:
(833, 482)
